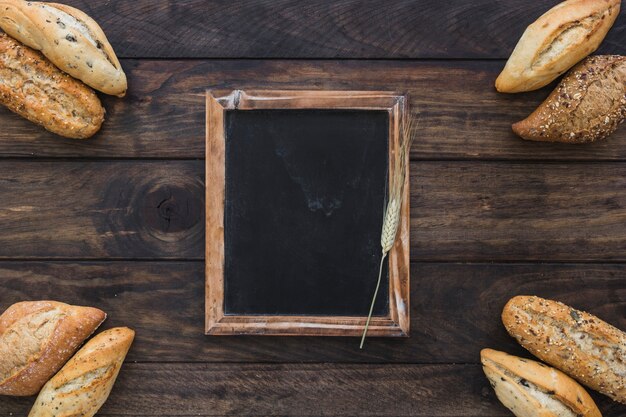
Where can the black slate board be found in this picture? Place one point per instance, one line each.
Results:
(304, 201)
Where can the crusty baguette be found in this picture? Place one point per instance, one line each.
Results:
(37, 338)
(588, 104)
(532, 389)
(556, 42)
(85, 382)
(578, 343)
(69, 38)
(35, 89)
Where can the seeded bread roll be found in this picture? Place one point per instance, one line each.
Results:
(69, 38)
(85, 382)
(578, 343)
(532, 389)
(37, 338)
(557, 41)
(38, 91)
(588, 105)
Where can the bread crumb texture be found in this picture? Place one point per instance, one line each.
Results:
(25, 341)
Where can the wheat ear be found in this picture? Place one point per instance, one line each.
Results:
(392, 211)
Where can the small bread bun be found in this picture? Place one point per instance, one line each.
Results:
(37, 338)
(578, 343)
(69, 38)
(532, 389)
(587, 105)
(556, 42)
(85, 382)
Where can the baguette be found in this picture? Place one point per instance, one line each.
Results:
(69, 38)
(85, 382)
(38, 91)
(556, 42)
(37, 338)
(580, 344)
(588, 105)
(532, 389)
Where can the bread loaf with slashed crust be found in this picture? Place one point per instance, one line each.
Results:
(555, 42)
(587, 105)
(578, 343)
(83, 385)
(38, 91)
(532, 389)
(37, 338)
(69, 38)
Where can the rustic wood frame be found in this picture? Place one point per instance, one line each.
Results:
(217, 323)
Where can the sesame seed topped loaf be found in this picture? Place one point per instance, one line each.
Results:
(578, 343)
(37, 338)
(588, 105)
(38, 91)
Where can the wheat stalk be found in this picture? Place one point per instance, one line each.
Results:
(391, 219)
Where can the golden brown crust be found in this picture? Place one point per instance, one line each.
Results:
(85, 382)
(39, 337)
(35, 89)
(588, 104)
(69, 38)
(580, 344)
(557, 41)
(536, 385)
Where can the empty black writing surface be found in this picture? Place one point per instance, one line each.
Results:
(304, 200)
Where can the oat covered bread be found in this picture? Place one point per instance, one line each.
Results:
(83, 385)
(37, 338)
(532, 389)
(587, 105)
(69, 38)
(556, 42)
(38, 91)
(578, 343)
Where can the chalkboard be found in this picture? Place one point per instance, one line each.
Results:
(305, 196)
(296, 193)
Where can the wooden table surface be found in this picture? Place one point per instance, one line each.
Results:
(117, 221)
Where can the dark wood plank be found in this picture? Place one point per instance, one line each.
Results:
(455, 309)
(461, 116)
(498, 211)
(301, 390)
(319, 28)
(124, 209)
(460, 211)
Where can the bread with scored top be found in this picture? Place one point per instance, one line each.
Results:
(587, 105)
(38, 91)
(555, 42)
(69, 38)
(578, 343)
(37, 338)
(83, 385)
(532, 389)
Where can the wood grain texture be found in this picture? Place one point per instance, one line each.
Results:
(301, 390)
(319, 28)
(455, 309)
(460, 211)
(461, 116)
(124, 209)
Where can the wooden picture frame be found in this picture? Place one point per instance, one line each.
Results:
(396, 323)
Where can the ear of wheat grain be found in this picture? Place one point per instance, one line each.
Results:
(391, 219)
